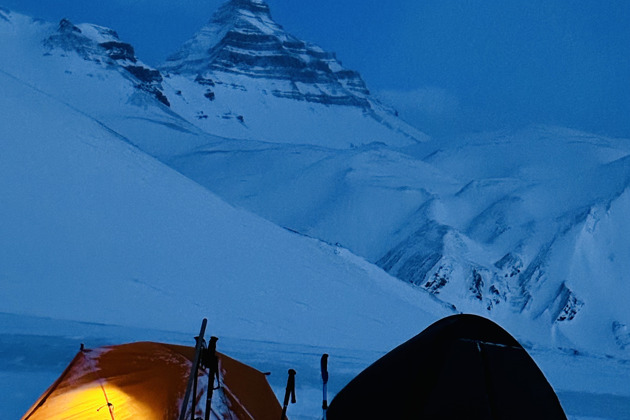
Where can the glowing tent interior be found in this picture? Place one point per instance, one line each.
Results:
(148, 381)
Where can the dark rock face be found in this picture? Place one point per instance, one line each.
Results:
(112, 52)
(65, 26)
(204, 82)
(145, 74)
(569, 304)
(119, 51)
(417, 258)
(243, 39)
(422, 259)
(154, 91)
(70, 38)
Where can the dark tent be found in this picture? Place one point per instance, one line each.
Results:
(462, 367)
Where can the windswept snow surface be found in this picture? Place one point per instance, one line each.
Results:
(94, 230)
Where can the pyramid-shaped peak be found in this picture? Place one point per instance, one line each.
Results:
(253, 6)
(249, 16)
(242, 39)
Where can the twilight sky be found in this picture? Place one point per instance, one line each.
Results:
(448, 66)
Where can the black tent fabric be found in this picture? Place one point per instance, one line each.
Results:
(461, 367)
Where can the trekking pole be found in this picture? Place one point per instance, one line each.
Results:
(212, 362)
(290, 392)
(193, 370)
(196, 377)
(324, 368)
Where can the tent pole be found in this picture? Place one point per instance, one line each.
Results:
(193, 370)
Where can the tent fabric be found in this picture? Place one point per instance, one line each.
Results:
(462, 367)
(148, 381)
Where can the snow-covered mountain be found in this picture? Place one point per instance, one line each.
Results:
(242, 38)
(98, 44)
(496, 224)
(526, 227)
(242, 76)
(525, 233)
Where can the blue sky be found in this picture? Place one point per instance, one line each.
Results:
(449, 66)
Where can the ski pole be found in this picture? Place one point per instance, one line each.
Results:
(212, 362)
(324, 368)
(194, 387)
(193, 370)
(290, 392)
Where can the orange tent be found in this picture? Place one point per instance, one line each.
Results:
(148, 381)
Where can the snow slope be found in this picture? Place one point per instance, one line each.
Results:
(524, 225)
(528, 220)
(359, 197)
(94, 230)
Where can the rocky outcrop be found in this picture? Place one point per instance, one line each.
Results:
(70, 38)
(418, 258)
(436, 259)
(119, 51)
(102, 45)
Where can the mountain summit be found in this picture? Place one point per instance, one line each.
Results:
(242, 38)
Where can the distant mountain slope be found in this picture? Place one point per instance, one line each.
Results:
(495, 224)
(516, 233)
(91, 70)
(94, 230)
